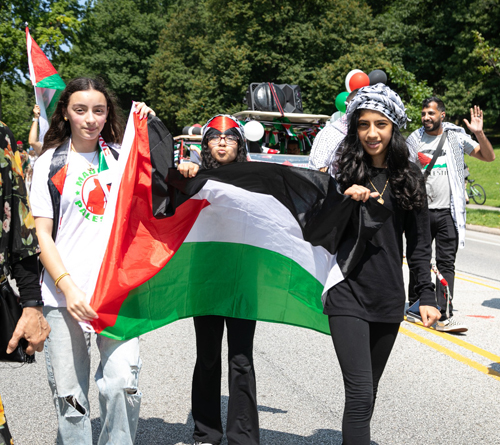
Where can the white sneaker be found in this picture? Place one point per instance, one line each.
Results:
(202, 443)
(451, 325)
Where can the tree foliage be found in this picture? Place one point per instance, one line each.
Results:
(436, 40)
(194, 58)
(18, 101)
(53, 24)
(211, 50)
(488, 54)
(117, 43)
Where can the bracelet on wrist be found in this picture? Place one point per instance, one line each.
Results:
(59, 278)
(35, 119)
(31, 303)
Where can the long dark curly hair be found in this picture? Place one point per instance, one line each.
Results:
(207, 160)
(60, 130)
(354, 167)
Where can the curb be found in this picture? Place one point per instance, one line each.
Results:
(483, 229)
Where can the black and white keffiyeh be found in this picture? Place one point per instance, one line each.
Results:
(380, 98)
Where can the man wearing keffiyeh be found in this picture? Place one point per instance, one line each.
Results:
(324, 151)
(445, 190)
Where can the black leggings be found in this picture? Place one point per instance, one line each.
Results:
(363, 349)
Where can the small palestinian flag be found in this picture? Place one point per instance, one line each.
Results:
(246, 240)
(48, 84)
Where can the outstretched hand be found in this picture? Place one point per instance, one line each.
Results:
(476, 120)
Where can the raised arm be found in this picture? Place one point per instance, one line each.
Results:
(484, 151)
(33, 136)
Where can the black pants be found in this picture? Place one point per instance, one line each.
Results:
(242, 416)
(444, 232)
(363, 349)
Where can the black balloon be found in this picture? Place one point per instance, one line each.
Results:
(377, 76)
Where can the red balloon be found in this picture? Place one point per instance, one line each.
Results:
(359, 80)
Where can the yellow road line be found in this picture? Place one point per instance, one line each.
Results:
(463, 344)
(476, 282)
(477, 366)
(485, 280)
(459, 277)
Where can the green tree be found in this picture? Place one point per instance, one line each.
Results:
(53, 24)
(436, 41)
(412, 93)
(17, 109)
(117, 43)
(488, 54)
(211, 50)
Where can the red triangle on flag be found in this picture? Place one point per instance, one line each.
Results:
(41, 65)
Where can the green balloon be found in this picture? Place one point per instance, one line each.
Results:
(340, 101)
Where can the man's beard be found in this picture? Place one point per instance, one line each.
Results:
(435, 126)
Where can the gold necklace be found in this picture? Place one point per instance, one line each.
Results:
(380, 199)
(91, 163)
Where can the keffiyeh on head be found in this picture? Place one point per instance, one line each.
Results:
(223, 122)
(380, 98)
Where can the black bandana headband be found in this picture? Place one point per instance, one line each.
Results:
(380, 98)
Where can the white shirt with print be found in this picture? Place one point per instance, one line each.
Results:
(437, 184)
(81, 212)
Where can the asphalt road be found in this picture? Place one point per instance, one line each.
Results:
(437, 388)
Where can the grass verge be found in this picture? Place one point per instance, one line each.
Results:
(488, 175)
(479, 217)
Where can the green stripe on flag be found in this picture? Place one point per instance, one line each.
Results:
(234, 280)
(54, 82)
(49, 110)
(103, 165)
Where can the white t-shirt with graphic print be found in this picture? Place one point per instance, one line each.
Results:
(82, 208)
(437, 184)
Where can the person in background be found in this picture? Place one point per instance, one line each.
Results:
(324, 152)
(445, 191)
(25, 161)
(293, 147)
(33, 135)
(18, 255)
(223, 143)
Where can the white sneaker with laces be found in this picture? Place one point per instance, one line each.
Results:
(451, 325)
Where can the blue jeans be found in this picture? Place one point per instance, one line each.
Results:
(67, 354)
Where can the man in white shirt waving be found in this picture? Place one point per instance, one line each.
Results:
(445, 191)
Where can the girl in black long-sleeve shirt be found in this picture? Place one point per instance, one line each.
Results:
(366, 308)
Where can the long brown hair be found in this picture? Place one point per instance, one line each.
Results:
(60, 129)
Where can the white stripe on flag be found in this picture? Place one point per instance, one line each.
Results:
(43, 96)
(30, 61)
(238, 216)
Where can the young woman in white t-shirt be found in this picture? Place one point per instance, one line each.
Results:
(69, 196)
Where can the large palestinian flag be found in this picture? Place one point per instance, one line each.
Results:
(247, 240)
(46, 81)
